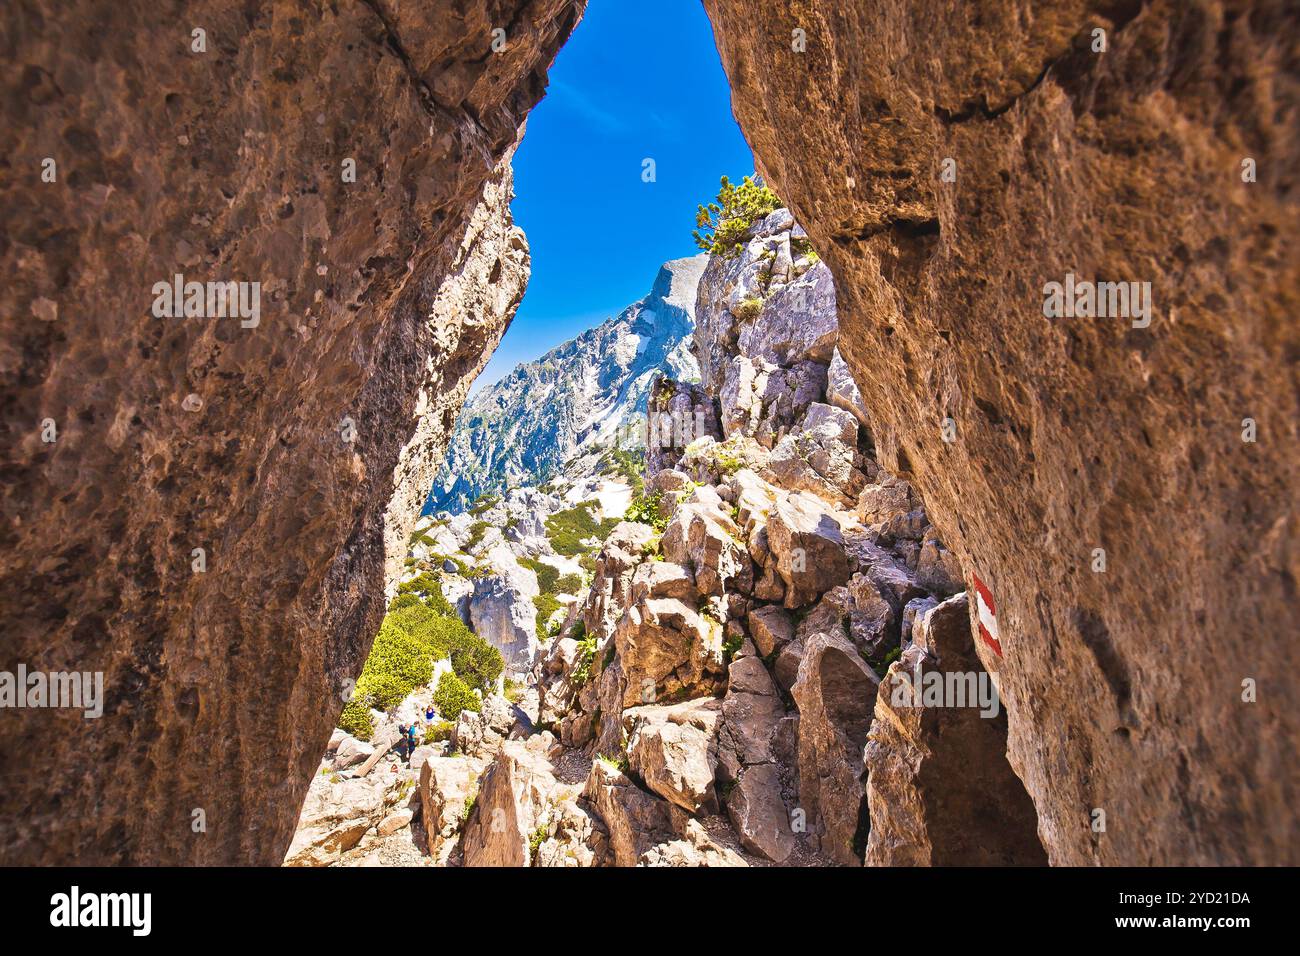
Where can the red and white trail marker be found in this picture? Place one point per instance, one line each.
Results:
(987, 613)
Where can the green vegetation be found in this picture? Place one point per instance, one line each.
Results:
(645, 509)
(550, 584)
(413, 635)
(894, 654)
(581, 672)
(547, 604)
(722, 225)
(484, 503)
(731, 647)
(626, 464)
(803, 247)
(476, 532)
(454, 696)
(618, 763)
(536, 839)
(568, 529)
(748, 309)
(513, 691)
(437, 733)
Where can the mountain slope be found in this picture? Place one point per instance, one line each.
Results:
(573, 399)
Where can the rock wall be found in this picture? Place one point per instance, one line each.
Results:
(1124, 688)
(277, 448)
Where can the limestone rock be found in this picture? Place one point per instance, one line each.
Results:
(834, 692)
(502, 610)
(448, 786)
(809, 548)
(672, 748)
(635, 820)
(517, 795)
(1075, 433)
(939, 787)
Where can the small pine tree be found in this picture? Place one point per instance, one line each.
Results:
(722, 224)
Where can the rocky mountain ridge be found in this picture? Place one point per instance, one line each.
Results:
(576, 399)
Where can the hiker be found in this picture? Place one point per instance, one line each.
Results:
(412, 741)
(429, 713)
(404, 742)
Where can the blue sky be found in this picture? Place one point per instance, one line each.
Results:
(634, 81)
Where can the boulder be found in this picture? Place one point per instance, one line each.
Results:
(502, 610)
(634, 819)
(771, 628)
(842, 391)
(673, 750)
(703, 538)
(665, 647)
(835, 691)
(349, 752)
(808, 544)
(397, 820)
(517, 797)
(448, 786)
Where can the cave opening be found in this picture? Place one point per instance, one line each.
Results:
(592, 562)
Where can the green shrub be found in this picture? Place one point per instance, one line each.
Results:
(645, 509)
(454, 696)
(483, 503)
(403, 600)
(475, 661)
(721, 226)
(569, 584)
(438, 732)
(536, 840)
(513, 691)
(748, 309)
(568, 529)
(623, 463)
(355, 719)
(476, 532)
(547, 574)
(547, 604)
(582, 661)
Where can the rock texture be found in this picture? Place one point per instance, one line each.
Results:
(380, 299)
(1077, 434)
(939, 791)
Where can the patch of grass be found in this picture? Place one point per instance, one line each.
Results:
(536, 839)
(731, 647)
(748, 309)
(514, 691)
(476, 532)
(438, 732)
(581, 672)
(894, 654)
(618, 763)
(547, 604)
(548, 575)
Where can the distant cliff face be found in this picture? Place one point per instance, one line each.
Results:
(524, 428)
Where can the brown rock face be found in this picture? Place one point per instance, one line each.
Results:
(280, 448)
(1123, 688)
(938, 784)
